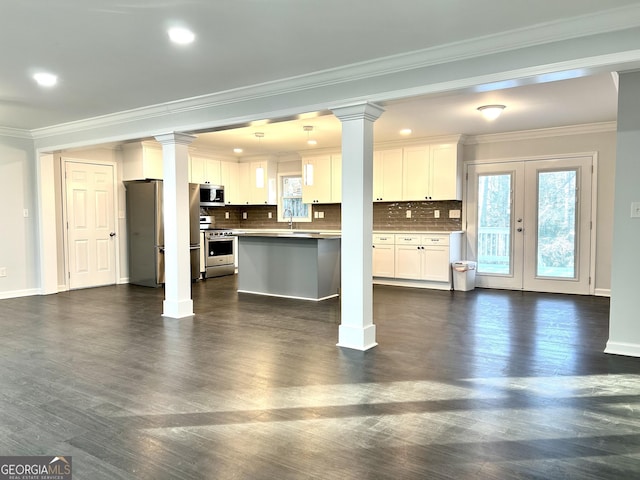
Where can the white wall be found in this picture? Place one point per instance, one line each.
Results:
(18, 237)
(603, 142)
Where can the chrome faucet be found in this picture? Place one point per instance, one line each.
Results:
(284, 214)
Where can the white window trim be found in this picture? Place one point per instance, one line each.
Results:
(280, 208)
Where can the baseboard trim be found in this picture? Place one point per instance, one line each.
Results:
(602, 292)
(412, 283)
(19, 293)
(622, 348)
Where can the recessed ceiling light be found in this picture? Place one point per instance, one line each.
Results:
(237, 150)
(312, 142)
(406, 131)
(45, 79)
(181, 36)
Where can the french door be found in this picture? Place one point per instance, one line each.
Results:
(529, 224)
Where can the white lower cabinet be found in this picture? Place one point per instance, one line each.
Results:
(384, 256)
(408, 257)
(420, 260)
(436, 258)
(423, 257)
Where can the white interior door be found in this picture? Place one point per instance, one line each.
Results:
(529, 224)
(90, 224)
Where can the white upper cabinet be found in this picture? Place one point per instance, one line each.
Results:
(257, 183)
(316, 179)
(431, 172)
(446, 172)
(387, 175)
(229, 180)
(322, 178)
(204, 170)
(141, 160)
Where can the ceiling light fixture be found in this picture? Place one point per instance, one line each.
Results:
(181, 36)
(45, 79)
(309, 129)
(259, 170)
(237, 150)
(491, 112)
(406, 131)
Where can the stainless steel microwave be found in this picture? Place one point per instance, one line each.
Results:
(211, 195)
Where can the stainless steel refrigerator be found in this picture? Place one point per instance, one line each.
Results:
(145, 229)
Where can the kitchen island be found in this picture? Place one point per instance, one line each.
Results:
(289, 264)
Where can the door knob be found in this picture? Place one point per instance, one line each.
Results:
(112, 234)
(519, 220)
(519, 229)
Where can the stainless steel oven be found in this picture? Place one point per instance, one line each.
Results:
(218, 255)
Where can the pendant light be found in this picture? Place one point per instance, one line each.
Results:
(307, 169)
(259, 170)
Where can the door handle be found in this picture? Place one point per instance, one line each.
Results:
(112, 234)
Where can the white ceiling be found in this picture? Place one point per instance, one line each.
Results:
(113, 56)
(577, 101)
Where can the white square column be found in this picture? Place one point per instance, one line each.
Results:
(356, 329)
(175, 192)
(624, 321)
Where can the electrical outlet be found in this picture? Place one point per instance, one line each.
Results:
(436, 214)
(25, 213)
(244, 215)
(454, 213)
(408, 213)
(635, 210)
(320, 214)
(3, 271)
(269, 215)
(226, 215)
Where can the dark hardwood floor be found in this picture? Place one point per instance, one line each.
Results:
(484, 384)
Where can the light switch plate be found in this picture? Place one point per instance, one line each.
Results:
(436, 214)
(269, 215)
(316, 215)
(226, 215)
(320, 214)
(408, 213)
(635, 210)
(3, 271)
(454, 213)
(244, 215)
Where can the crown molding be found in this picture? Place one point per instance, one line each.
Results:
(586, 25)
(15, 132)
(585, 129)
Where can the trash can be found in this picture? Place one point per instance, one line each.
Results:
(464, 275)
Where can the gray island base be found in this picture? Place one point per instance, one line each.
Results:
(292, 265)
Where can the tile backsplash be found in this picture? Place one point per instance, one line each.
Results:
(386, 216)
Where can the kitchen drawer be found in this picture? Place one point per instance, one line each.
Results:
(384, 239)
(435, 240)
(408, 240)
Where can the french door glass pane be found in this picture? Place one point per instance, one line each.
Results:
(494, 224)
(556, 236)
